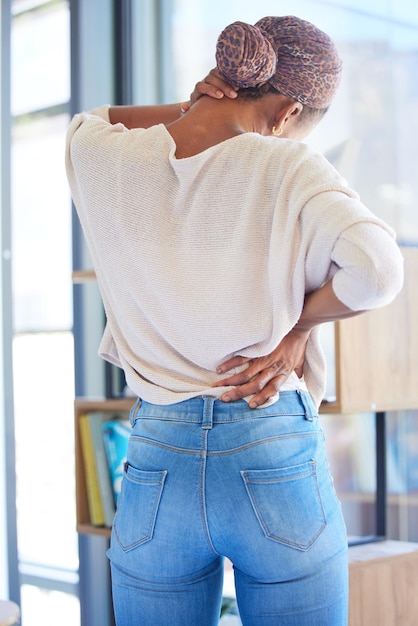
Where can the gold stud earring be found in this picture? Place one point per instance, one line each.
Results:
(277, 131)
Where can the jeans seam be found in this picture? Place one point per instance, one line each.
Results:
(219, 419)
(202, 488)
(229, 450)
(261, 442)
(165, 446)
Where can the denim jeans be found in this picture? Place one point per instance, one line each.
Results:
(206, 480)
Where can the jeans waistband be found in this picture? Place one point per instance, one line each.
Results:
(208, 410)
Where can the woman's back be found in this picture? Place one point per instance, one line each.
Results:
(202, 257)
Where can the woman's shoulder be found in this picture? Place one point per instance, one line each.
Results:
(280, 147)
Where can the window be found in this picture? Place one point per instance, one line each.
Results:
(42, 304)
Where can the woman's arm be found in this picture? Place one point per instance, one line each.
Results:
(370, 275)
(146, 116)
(265, 375)
(149, 115)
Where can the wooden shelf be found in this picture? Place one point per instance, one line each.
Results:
(392, 499)
(89, 529)
(83, 276)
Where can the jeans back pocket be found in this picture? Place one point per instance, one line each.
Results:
(138, 506)
(287, 503)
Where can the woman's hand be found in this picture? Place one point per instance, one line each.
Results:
(214, 86)
(148, 115)
(265, 375)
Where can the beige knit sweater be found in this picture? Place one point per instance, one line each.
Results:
(202, 258)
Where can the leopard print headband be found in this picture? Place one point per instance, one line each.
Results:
(294, 56)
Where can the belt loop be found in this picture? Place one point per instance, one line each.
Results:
(207, 418)
(134, 411)
(307, 404)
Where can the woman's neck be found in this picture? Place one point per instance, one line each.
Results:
(210, 122)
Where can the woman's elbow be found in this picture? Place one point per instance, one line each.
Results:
(389, 279)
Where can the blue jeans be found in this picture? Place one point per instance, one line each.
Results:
(206, 480)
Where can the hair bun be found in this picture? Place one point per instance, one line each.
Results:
(244, 56)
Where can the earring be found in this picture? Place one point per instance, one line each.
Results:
(277, 131)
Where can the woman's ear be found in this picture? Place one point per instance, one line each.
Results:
(288, 112)
(294, 110)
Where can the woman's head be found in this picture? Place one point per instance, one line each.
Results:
(283, 55)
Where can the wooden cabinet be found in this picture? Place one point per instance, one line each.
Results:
(383, 584)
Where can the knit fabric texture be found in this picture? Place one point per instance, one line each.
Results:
(210, 256)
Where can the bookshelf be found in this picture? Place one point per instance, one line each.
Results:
(84, 406)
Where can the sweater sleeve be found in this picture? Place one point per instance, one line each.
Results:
(345, 240)
(370, 266)
(81, 150)
(101, 114)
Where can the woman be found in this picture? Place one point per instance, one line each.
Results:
(218, 249)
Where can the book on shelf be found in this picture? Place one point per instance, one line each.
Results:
(116, 434)
(94, 498)
(96, 421)
(104, 440)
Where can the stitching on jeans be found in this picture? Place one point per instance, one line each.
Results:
(219, 420)
(262, 441)
(202, 498)
(229, 450)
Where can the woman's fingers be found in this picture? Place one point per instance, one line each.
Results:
(232, 363)
(264, 375)
(263, 385)
(270, 390)
(214, 86)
